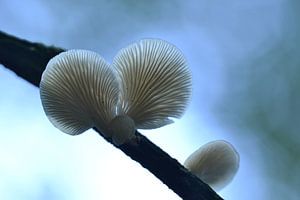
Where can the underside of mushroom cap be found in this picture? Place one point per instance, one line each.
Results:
(79, 91)
(156, 83)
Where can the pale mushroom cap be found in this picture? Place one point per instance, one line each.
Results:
(148, 84)
(215, 163)
(156, 82)
(79, 91)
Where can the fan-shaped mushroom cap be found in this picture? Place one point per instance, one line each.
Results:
(215, 163)
(147, 84)
(79, 91)
(156, 82)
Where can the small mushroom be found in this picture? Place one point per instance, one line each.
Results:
(215, 163)
(147, 84)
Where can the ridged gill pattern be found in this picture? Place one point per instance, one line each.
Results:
(156, 82)
(79, 90)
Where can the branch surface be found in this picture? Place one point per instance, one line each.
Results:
(28, 60)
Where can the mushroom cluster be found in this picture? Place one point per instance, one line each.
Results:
(147, 84)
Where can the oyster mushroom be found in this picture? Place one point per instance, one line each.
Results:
(147, 84)
(215, 163)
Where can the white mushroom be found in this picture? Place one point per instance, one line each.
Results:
(215, 163)
(147, 84)
(156, 82)
(79, 91)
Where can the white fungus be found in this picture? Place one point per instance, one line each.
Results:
(215, 163)
(156, 82)
(79, 91)
(147, 84)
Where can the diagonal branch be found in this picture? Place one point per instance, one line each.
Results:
(28, 60)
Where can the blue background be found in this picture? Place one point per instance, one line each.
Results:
(244, 58)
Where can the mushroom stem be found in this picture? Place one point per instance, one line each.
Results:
(121, 129)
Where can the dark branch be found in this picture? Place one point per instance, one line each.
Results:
(28, 60)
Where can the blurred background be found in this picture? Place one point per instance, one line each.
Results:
(244, 57)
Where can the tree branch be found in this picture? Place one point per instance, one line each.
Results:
(28, 60)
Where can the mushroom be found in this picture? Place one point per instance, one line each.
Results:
(215, 163)
(147, 84)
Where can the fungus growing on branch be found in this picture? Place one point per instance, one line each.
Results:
(215, 163)
(147, 84)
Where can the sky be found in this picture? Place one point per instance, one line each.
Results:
(37, 161)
